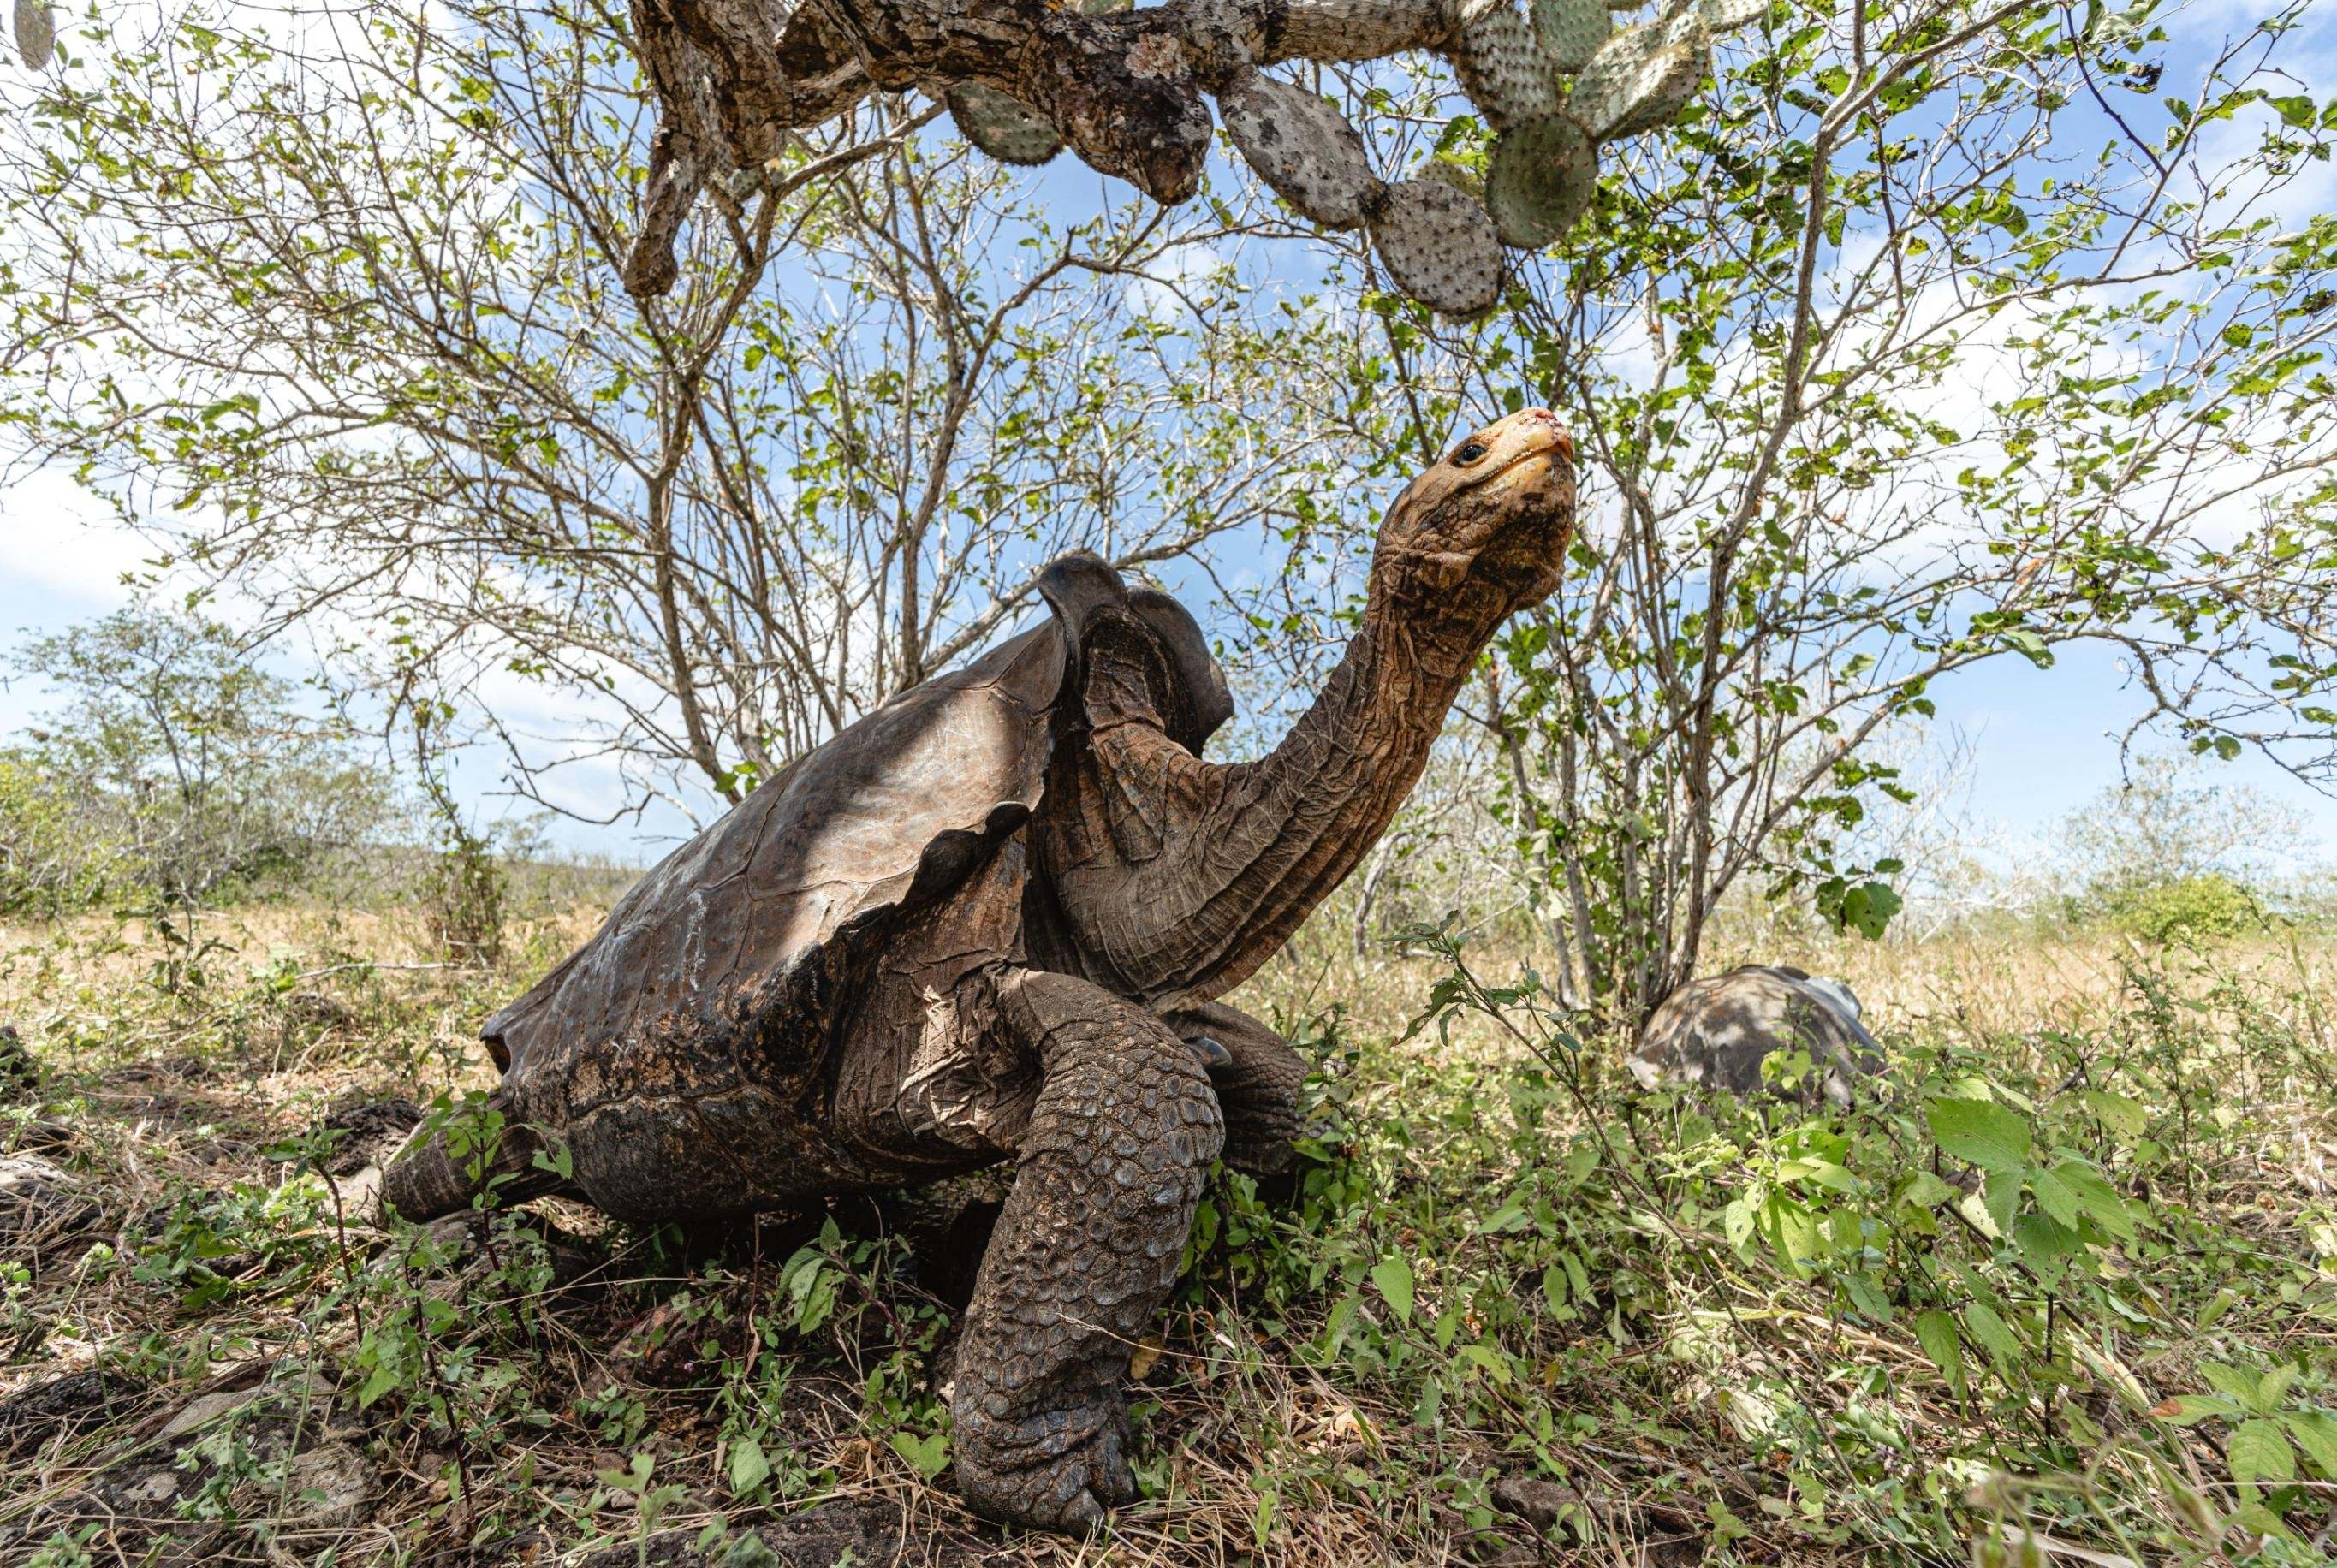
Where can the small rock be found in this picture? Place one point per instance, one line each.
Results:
(63, 1406)
(1539, 1502)
(41, 1203)
(329, 1487)
(204, 1409)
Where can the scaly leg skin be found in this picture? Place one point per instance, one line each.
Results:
(1257, 1085)
(1089, 1243)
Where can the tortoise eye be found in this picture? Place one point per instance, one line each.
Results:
(1468, 452)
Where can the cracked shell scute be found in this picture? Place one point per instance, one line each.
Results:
(36, 34)
(1439, 246)
(1540, 182)
(1006, 128)
(1301, 146)
(1501, 65)
(1571, 30)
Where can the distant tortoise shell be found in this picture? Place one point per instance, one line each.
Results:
(709, 995)
(1718, 1030)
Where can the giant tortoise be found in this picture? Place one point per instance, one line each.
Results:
(989, 922)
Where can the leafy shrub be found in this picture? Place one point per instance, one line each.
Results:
(2205, 907)
(176, 770)
(53, 856)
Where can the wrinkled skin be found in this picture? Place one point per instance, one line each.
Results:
(989, 923)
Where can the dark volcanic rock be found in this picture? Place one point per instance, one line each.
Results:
(62, 1406)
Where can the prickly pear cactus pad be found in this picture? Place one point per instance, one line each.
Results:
(1302, 147)
(1439, 246)
(1008, 129)
(1726, 16)
(1660, 89)
(1541, 178)
(1641, 77)
(36, 34)
(1571, 30)
(1501, 65)
(1130, 90)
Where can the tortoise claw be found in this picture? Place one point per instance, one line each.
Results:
(1211, 1051)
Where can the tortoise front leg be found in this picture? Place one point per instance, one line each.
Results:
(1258, 1084)
(1088, 1242)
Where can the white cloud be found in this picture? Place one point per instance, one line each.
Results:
(1183, 275)
(59, 541)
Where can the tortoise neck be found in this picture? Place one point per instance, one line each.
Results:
(1304, 816)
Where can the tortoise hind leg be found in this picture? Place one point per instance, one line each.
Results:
(1089, 1241)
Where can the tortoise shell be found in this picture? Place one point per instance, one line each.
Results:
(715, 979)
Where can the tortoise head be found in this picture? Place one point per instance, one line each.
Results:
(1483, 534)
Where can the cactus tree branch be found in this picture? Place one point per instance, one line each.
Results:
(1128, 90)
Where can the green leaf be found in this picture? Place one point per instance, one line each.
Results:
(379, 1381)
(2097, 1199)
(749, 1467)
(2259, 1451)
(928, 1456)
(1936, 1332)
(2188, 1409)
(2296, 109)
(1926, 1191)
(2053, 1195)
(1990, 1135)
(1393, 1278)
(2316, 1433)
(2030, 647)
(2045, 1243)
(1994, 1334)
(2126, 1118)
(2235, 1383)
(1335, 1329)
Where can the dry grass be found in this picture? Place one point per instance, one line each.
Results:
(1286, 1405)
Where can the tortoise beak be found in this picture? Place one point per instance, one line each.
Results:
(1559, 438)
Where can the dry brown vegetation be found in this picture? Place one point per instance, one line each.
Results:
(205, 1362)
